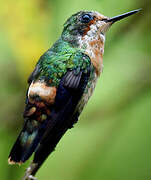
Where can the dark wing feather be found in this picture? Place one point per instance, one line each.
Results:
(63, 116)
(56, 124)
(34, 74)
(71, 79)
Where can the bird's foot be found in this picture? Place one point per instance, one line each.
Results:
(29, 177)
(28, 173)
(32, 177)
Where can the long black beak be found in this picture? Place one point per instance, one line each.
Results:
(119, 17)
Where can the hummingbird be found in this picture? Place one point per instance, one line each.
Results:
(60, 86)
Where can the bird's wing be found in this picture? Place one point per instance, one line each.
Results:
(34, 74)
(50, 108)
(63, 114)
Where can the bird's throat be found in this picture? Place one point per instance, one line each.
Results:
(93, 45)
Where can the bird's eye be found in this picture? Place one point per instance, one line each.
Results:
(86, 18)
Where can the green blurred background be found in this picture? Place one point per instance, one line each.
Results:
(112, 140)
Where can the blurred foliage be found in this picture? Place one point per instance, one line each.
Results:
(112, 139)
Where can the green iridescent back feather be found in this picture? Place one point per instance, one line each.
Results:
(59, 59)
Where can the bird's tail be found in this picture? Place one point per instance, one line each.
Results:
(26, 142)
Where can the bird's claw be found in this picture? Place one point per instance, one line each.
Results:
(29, 177)
(28, 173)
(32, 177)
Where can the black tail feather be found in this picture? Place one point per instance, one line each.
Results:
(26, 142)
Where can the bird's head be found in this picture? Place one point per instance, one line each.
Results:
(89, 25)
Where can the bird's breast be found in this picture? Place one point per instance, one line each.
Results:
(95, 51)
(93, 44)
(88, 91)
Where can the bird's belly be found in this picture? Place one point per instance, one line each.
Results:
(87, 93)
